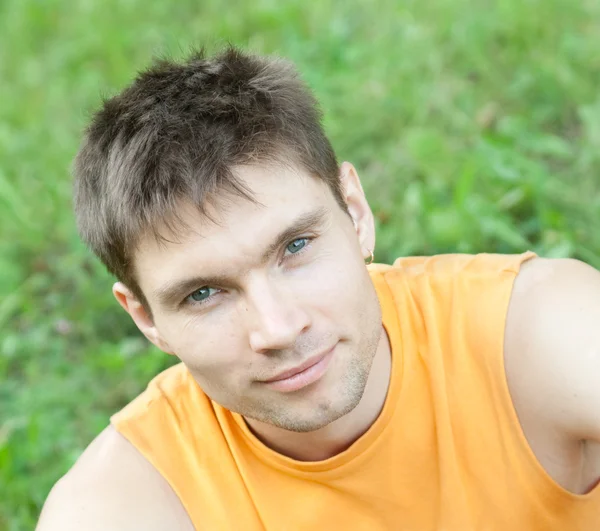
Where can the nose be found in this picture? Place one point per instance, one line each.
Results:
(275, 318)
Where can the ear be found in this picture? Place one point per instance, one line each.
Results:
(140, 316)
(359, 208)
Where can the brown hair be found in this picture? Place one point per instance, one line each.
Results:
(176, 133)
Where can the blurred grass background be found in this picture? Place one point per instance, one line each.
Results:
(474, 124)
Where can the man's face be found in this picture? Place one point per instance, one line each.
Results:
(268, 288)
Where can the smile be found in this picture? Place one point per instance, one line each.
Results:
(302, 375)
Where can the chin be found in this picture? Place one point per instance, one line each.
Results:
(315, 415)
(319, 422)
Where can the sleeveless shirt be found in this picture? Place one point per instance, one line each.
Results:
(446, 453)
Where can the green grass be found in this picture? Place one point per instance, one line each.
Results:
(475, 126)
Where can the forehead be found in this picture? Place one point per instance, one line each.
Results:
(236, 229)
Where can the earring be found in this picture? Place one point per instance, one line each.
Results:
(370, 259)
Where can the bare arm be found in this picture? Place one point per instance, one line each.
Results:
(552, 354)
(113, 487)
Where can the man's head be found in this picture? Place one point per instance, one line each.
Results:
(210, 190)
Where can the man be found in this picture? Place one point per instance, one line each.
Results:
(452, 392)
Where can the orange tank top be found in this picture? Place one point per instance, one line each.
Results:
(446, 453)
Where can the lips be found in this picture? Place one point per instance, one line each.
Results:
(301, 376)
(300, 368)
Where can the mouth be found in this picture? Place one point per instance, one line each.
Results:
(302, 375)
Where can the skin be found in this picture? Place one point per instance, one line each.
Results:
(552, 361)
(270, 314)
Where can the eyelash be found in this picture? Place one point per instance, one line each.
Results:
(309, 240)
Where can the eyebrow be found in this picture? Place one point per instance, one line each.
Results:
(172, 293)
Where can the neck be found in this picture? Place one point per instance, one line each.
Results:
(339, 435)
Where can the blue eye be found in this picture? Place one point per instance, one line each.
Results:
(297, 245)
(200, 295)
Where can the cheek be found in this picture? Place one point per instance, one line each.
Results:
(336, 283)
(209, 345)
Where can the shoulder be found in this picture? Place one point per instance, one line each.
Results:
(112, 486)
(550, 277)
(552, 344)
(449, 267)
